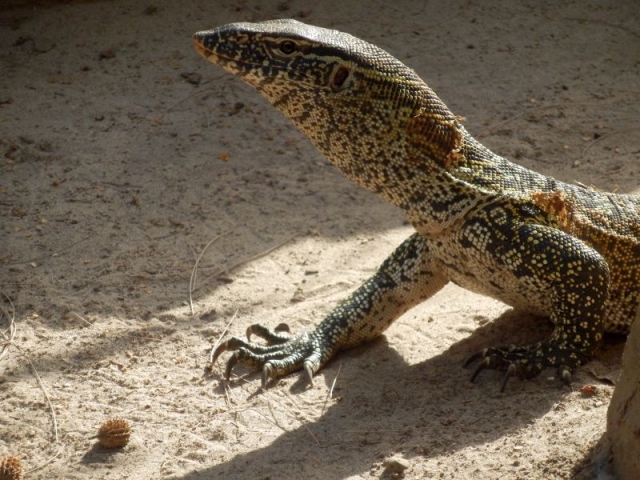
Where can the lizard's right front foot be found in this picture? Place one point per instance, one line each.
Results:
(280, 356)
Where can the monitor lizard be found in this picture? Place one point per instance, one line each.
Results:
(564, 251)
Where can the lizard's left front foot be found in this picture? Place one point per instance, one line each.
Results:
(528, 361)
(281, 355)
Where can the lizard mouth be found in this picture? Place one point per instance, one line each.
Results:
(200, 43)
(199, 46)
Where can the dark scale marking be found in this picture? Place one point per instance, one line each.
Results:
(560, 250)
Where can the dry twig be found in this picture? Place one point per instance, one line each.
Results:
(54, 418)
(215, 345)
(9, 334)
(8, 341)
(194, 272)
(607, 135)
(47, 462)
(192, 281)
(57, 253)
(250, 259)
(81, 318)
(276, 400)
(330, 394)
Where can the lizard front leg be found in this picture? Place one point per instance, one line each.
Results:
(407, 277)
(575, 279)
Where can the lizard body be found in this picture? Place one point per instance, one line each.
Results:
(561, 250)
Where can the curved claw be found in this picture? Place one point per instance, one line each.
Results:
(486, 363)
(528, 361)
(282, 355)
(233, 343)
(511, 371)
(565, 375)
(472, 358)
(273, 337)
(309, 371)
(220, 349)
(282, 327)
(266, 374)
(230, 364)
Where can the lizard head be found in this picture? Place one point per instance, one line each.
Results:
(358, 104)
(281, 53)
(281, 57)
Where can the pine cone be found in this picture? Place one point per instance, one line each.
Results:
(10, 468)
(114, 433)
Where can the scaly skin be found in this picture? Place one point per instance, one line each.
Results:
(482, 222)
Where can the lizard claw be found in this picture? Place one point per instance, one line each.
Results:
(231, 344)
(564, 373)
(526, 362)
(511, 371)
(266, 373)
(491, 362)
(486, 362)
(230, 364)
(472, 358)
(281, 355)
(309, 371)
(273, 337)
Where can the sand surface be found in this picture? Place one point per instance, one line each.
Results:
(124, 154)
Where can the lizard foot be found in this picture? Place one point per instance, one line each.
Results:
(281, 355)
(527, 361)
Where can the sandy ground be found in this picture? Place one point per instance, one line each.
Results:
(123, 154)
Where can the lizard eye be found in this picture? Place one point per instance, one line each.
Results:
(339, 77)
(287, 47)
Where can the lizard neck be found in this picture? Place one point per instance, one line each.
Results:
(402, 143)
(399, 151)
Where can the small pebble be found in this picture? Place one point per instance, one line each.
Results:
(395, 465)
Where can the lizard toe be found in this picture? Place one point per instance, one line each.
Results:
(564, 373)
(511, 371)
(290, 354)
(251, 358)
(528, 361)
(473, 358)
(283, 366)
(236, 343)
(276, 336)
